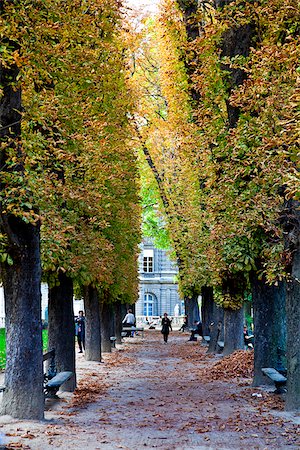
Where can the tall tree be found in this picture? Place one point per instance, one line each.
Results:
(20, 233)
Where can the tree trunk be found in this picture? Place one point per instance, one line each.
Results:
(235, 42)
(233, 330)
(291, 226)
(118, 321)
(293, 337)
(93, 326)
(192, 309)
(216, 328)
(61, 328)
(24, 394)
(106, 318)
(269, 326)
(207, 309)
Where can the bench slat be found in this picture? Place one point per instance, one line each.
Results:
(48, 355)
(132, 329)
(59, 379)
(273, 374)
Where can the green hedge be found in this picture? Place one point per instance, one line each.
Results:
(2, 346)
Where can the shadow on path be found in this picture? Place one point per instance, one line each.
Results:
(151, 395)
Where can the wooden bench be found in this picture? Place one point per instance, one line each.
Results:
(53, 380)
(130, 329)
(278, 379)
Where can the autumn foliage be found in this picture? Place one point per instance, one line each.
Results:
(220, 124)
(80, 172)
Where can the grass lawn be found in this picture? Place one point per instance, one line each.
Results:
(2, 346)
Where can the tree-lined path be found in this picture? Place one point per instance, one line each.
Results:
(150, 395)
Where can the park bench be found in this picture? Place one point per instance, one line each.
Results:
(113, 341)
(220, 346)
(53, 380)
(136, 329)
(206, 339)
(278, 379)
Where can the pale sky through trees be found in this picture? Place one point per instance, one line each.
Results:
(144, 6)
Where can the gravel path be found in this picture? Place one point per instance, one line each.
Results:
(151, 395)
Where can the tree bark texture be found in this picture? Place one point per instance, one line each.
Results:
(269, 326)
(92, 324)
(24, 394)
(233, 330)
(189, 10)
(107, 323)
(118, 321)
(192, 309)
(207, 308)
(216, 328)
(235, 42)
(291, 226)
(61, 328)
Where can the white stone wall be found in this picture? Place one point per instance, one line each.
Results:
(78, 304)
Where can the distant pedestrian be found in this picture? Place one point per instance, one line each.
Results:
(166, 327)
(80, 328)
(129, 321)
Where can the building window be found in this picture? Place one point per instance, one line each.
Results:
(149, 305)
(148, 264)
(148, 260)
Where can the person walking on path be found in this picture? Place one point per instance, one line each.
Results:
(80, 324)
(166, 327)
(129, 321)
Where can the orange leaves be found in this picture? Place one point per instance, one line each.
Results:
(237, 365)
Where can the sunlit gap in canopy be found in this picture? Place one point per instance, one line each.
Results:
(138, 10)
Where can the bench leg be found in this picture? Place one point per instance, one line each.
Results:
(280, 388)
(51, 392)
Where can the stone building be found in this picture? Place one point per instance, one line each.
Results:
(158, 292)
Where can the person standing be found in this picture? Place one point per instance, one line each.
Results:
(80, 322)
(129, 321)
(166, 327)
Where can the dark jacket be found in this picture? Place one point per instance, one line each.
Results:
(166, 325)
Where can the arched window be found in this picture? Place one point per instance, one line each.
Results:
(150, 305)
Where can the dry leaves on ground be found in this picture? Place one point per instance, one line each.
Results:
(237, 365)
(87, 391)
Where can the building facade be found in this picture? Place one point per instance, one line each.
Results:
(158, 292)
